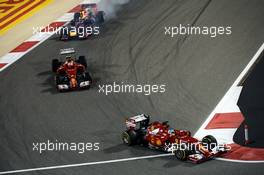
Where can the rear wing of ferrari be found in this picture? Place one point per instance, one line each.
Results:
(67, 51)
(137, 121)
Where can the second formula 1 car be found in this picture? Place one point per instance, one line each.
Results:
(71, 73)
(160, 136)
(84, 24)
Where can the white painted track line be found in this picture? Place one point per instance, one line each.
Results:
(85, 164)
(240, 161)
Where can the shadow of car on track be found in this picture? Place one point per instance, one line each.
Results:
(139, 151)
(55, 37)
(135, 151)
(172, 162)
(48, 83)
(115, 149)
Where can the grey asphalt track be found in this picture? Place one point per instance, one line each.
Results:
(132, 48)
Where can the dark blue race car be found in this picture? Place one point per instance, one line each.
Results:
(84, 24)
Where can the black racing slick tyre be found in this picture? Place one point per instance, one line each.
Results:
(129, 137)
(82, 61)
(88, 77)
(100, 17)
(55, 65)
(209, 141)
(76, 16)
(181, 154)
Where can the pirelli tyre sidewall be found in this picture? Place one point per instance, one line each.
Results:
(209, 141)
(181, 154)
(129, 137)
(88, 77)
(76, 16)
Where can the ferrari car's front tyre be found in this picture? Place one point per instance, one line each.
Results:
(129, 137)
(181, 154)
(209, 141)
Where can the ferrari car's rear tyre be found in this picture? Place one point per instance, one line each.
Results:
(82, 61)
(55, 65)
(209, 141)
(88, 76)
(181, 154)
(129, 137)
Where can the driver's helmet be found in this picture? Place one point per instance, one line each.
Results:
(171, 131)
(68, 58)
(70, 62)
(84, 14)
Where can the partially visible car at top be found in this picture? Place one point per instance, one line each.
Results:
(84, 23)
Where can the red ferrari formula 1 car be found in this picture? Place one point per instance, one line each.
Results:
(71, 73)
(159, 135)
